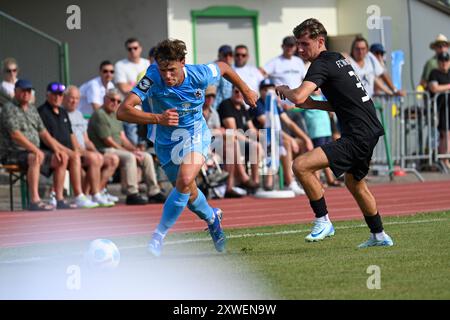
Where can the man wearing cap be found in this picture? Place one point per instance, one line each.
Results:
(224, 87)
(209, 113)
(57, 122)
(21, 130)
(439, 45)
(290, 145)
(383, 84)
(286, 69)
(438, 83)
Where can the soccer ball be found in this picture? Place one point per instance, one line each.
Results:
(103, 254)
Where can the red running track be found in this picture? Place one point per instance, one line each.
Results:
(25, 228)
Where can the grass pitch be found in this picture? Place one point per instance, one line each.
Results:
(260, 263)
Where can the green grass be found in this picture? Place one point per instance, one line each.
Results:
(276, 263)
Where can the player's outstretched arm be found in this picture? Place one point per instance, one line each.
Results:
(301, 96)
(250, 97)
(298, 95)
(127, 112)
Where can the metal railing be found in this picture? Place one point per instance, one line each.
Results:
(41, 58)
(441, 105)
(409, 125)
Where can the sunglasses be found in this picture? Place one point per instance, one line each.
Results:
(115, 100)
(132, 48)
(11, 70)
(243, 55)
(108, 71)
(57, 88)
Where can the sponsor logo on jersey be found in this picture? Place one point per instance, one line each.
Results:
(145, 84)
(198, 93)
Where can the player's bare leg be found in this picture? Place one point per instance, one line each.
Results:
(305, 167)
(361, 193)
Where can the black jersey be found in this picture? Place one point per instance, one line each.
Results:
(335, 76)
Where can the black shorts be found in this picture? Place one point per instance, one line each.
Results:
(350, 155)
(21, 159)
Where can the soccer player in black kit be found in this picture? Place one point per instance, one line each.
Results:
(361, 130)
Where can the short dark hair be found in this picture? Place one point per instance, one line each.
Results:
(355, 41)
(313, 27)
(105, 63)
(151, 53)
(241, 46)
(170, 50)
(131, 40)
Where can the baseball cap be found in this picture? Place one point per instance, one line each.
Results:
(444, 56)
(211, 90)
(266, 83)
(56, 87)
(225, 49)
(23, 84)
(377, 47)
(289, 41)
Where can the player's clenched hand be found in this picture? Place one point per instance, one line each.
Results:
(250, 98)
(281, 91)
(168, 118)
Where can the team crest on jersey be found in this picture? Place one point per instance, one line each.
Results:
(145, 84)
(198, 93)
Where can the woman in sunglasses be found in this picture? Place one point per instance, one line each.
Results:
(10, 71)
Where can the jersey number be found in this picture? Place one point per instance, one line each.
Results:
(360, 86)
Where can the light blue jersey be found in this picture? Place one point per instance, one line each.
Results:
(188, 99)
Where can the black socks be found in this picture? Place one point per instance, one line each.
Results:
(319, 207)
(374, 223)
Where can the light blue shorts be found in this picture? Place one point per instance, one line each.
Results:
(171, 156)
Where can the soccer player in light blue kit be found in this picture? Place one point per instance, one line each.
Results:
(182, 136)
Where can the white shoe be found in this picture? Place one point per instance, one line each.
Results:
(296, 188)
(102, 200)
(109, 196)
(83, 202)
(320, 231)
(241, 191)
(385, 241)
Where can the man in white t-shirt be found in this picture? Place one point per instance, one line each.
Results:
(286, 69)
(128, 69)
(251, 75)
(93, 91)
(127, 72)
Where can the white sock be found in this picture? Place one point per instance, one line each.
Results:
(379, 236)
(323, 219)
